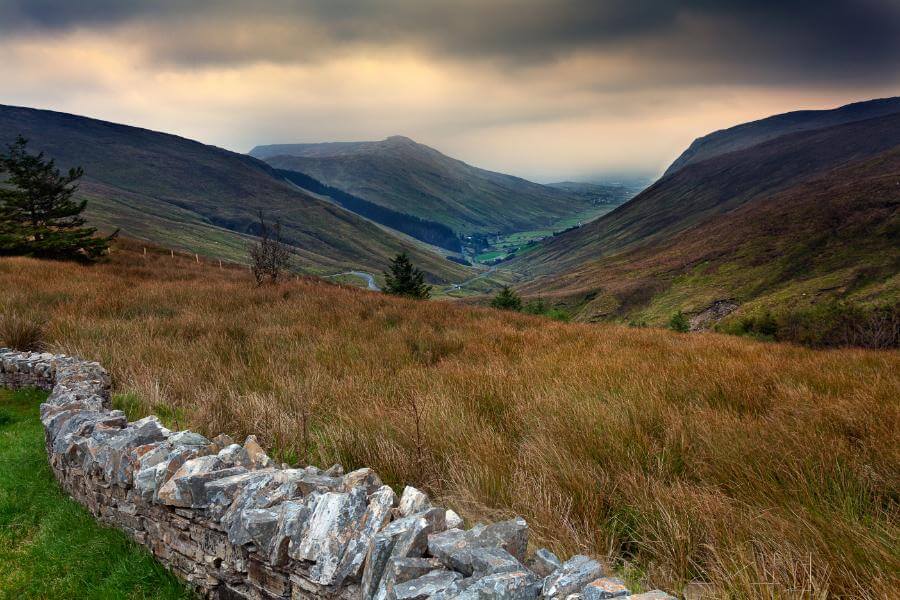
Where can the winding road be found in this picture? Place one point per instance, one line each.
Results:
(370, 279)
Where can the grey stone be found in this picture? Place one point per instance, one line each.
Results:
(453, 520)
(652, 595)
(331, 524)
(220, 493)
(254, 455)
(364, 477)
(188, 438)
(413, 501)
(486, 561)
(291, 523)
(403, 538)
(454, 547)
(605, 588)
(260, 526)
(334, 470)
(544, 562)
(372, 521)
(426, 586)
(187, 487)
(572, 577)
(509, 585)
(400, 570)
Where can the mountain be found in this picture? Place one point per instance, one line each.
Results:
(756, 132)
(411, 178)
(182, 193)
(804, 216)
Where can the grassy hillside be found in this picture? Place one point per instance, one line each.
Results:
(761, 470)
(51, 548)
(753, 133)
(186, 194)
(789, 222)
(412, 178)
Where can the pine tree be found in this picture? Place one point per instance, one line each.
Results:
(405, 280)
(38, 215)
(679, 322)
(507, 300)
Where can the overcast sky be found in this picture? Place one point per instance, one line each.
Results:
(546, 89)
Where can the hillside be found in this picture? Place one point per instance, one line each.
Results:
(185, 194)
(675, 457)
(793, 220)
(753, 133)
(414, 179)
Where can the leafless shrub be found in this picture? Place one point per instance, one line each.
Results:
(269, 256)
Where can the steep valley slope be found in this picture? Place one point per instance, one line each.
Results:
(184, 194)
(796, 219)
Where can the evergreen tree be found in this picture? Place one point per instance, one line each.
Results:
(507, 299)
(404, 279)
(38, 216)
(679, 322)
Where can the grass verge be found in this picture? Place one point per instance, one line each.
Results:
(50, 546)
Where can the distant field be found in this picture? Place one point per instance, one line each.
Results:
(50, 547)
(515, 241)
(762, 470)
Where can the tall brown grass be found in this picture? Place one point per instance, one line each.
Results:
(762, 470)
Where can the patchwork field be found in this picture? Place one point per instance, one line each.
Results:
(757, 470)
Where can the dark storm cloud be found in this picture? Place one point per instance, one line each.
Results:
(700, 40)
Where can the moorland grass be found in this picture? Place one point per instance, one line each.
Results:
(763, 470)
(50, 547)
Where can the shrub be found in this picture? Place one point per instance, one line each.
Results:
(507, 299)
(21, 333)
(841, 324)
(679, 323)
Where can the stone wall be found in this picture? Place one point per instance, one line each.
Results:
(231, 523)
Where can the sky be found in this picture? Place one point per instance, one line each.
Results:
(545, 89)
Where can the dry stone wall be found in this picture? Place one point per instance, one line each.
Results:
(231, 523)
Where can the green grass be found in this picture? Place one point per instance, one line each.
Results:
(50, 546)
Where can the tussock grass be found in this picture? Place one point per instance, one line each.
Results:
(21, 332)
(50, 547)
(764, 470)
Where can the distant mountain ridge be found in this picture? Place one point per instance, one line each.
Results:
(182, 193)
(405, 176)
(806, 215)
(755, 132)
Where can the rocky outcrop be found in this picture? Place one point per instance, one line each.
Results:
(234, 525)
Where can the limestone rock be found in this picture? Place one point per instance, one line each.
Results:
(187, 487)
(604, 588)
(544, 562)
(364, 477)
(509, 585)
(256, 455)
(572, 577)
(331, 524)
(377, 514)
(487, 561)
(188, 438)
(454, 547)
(413, 501)
(453, 520)
(403, 538)
(426, 586)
